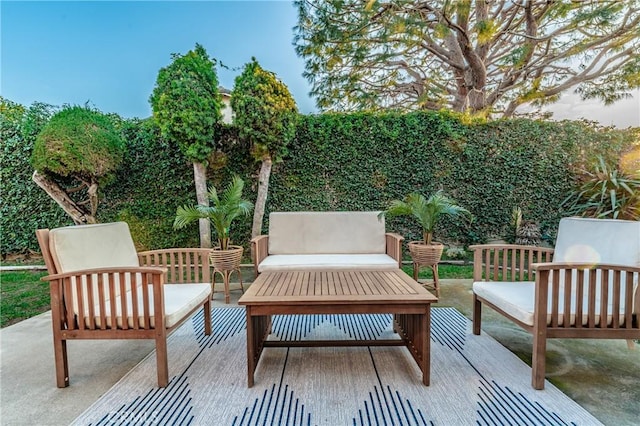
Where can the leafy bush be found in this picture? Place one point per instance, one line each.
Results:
(606, 192)
(79, 142)
(186, 102)
(24, 207)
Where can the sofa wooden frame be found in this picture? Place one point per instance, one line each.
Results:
(160, 266)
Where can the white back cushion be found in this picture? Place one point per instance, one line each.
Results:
(103, 245)
(326, 233)
(598, 241)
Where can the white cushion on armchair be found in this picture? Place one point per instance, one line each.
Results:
(579, 240)
(109, 245)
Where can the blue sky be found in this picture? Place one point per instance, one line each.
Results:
(108, 53)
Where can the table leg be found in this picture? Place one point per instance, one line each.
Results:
(415, 330)
(258, 329)
(251, 350)
(426, 338)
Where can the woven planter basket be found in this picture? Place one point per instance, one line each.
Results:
(425, 255)
(226, 260)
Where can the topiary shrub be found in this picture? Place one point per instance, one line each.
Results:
(265, 116)
(79, 147)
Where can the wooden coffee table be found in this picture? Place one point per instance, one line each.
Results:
(339, 292)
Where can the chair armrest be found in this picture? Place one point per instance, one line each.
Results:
(85, 299)
(507, 262)
(259, 250)
(394, 246)
(606, 294)
(183, 265)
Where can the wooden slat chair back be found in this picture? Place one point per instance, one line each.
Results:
(100, 291)
(587, 287)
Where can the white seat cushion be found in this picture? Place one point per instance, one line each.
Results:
(517, 299)
(317, 262)
(179, 300)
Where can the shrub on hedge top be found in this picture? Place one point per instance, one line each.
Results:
(78, 148)
(79, 141)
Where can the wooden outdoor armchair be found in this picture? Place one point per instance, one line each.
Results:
(102, 289)
(586, 288)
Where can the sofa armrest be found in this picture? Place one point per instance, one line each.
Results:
(259, 250)
(507, 262)
(183, 265)
(394, 246)
(99, 289)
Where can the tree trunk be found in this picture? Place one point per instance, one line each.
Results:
(93, 198)
(77, 213)
(200, 181)
(261, 200)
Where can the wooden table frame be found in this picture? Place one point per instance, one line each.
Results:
(339, 292)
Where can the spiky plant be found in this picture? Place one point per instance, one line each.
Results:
(426, 212)
(515, 221)
(224, 209)
(528, 234)
(606, 192)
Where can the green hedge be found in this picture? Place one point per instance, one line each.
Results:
(24, 207)
(362, 161)
(355, 161)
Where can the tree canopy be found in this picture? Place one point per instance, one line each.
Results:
(79, 142)
(480, 56)
(186, 103)
(264, 109)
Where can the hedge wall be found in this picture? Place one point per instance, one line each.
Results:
(362, 161)
(24, 207)
(337, 162)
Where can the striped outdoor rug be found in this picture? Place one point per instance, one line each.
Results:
(474, 379)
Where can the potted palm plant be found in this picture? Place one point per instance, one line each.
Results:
(427, 212)
(224, 209)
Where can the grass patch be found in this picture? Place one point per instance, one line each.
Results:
(22, 296)
(444, 272)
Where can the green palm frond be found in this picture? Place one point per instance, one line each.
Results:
(426, 212)
(224, 209)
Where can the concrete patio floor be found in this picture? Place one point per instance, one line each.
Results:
(601, 375)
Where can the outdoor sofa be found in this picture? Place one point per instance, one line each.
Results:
(587, 287)
(316, 241)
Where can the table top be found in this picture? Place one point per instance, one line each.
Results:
(332, 287)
